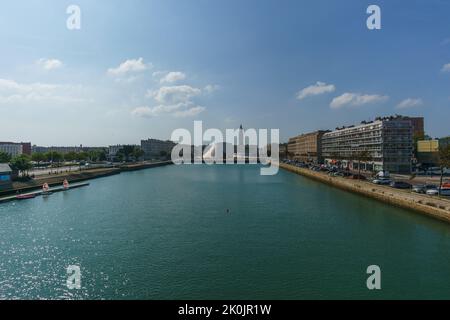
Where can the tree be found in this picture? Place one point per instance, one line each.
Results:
(362, 156)
(22, 163)
(93, 155)
(102, 155)
(54, 156)
(38, 157)
(4, 157)
(138, 153)
(126, 151)
(444, 162)
(71, 156)
(82, 156)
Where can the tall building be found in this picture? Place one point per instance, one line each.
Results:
(428, 153)
(26, 148)
(11, 148)
(418, 126)
(154, 148)
(384, 144)
(307, 147)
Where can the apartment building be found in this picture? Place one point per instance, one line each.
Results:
(384, 144)
(307, 147)
(153, 148)
(11, 148)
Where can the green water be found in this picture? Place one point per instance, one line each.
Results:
(165, 233)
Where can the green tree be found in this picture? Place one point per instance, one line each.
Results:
(127, 152)
(71, 156)
(444, 161)
(138, 153)
(22, 163)
(362, 156)
(4, 157)
(93, 155)
(82, 156)
(38, 157)
(102, 155)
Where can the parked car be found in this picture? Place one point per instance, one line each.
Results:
(358, 177)
(400, 185)
(422, 188)
(336, 174)
(419, 188)
(382, 181)
(433, 192)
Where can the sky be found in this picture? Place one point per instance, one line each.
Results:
(140, 69)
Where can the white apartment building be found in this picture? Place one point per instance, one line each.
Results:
(388, 143)
(13, 149)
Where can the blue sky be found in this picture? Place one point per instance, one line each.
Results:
(139, 69)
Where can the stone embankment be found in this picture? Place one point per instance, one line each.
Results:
(435, 207)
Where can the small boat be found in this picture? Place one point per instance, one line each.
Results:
(66, 185)
(46, 189)
(25, 196)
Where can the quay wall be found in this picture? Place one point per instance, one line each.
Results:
(431, 206)
(78, 176)
(141, 166)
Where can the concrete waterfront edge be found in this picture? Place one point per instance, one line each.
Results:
(83, 176)
(429, 207)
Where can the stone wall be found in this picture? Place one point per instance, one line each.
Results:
(431, 206)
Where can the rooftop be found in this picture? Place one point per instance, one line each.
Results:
(5, 168)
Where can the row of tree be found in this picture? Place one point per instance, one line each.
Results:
(53, 156)
(129, 153)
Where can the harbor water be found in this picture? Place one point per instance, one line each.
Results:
(218, 232)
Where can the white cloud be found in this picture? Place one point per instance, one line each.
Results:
(172, 77)
(176, 110)
(356, 100)
(210, 88)
(189, 112)
(316, 89)
(410, 103)
(174, 94)
(49, 64)
(129, 66)
(14, 93)
(172, 100)
(446, 68)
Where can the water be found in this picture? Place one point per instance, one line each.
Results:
(165, 233)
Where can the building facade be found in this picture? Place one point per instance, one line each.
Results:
(154, 148)
(112, 152)
(13, 149)
(427, 153)
(382, 145)
(418, 126)
(26, 148)
(307, 147)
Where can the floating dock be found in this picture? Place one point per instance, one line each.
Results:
(40, 192)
